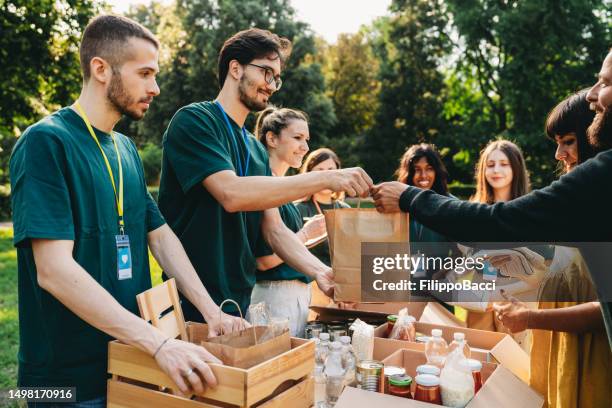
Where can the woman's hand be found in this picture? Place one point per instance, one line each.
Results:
(513, 314)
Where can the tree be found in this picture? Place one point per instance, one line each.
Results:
(189, 74)
(351, 72)
(527, 56)
(39, 64)
(410, 46)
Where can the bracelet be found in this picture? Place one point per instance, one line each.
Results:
(160, 346)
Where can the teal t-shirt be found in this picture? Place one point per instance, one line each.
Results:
(221, 245)
(308, 209)
(293, 220)
(61, 190)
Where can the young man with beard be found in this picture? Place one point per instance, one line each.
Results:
(542, 215)
(216, 191)
(83, 219)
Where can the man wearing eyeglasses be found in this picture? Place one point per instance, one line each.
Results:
(216, 191)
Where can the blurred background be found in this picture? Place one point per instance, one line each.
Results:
(374, 77)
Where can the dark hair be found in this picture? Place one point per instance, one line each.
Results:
(106, 37)
(248, 45)
(273, 119)
(319, 156)
(520, 177)
(405, 172)
(572, 115)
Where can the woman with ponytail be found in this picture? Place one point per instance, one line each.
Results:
(286, 292)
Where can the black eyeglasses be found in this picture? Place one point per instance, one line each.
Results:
(269, 76)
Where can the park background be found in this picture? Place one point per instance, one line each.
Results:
(456, 73)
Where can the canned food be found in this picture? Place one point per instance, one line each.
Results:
(369, 374)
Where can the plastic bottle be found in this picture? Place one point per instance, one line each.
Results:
(322, 349)
(320, 399)
(436, 349)
(349, 361)
(334, 373)
(459, 342)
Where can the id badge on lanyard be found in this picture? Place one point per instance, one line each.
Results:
(122, 241)
(124, 257)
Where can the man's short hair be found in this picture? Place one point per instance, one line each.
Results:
(248, 45)
(106, 37)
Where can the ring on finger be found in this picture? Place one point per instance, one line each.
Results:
(188, 372)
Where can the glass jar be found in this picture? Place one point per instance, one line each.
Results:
(391, 371)
(399, 386)
(391, 319)
(428, 389)
(476, 367)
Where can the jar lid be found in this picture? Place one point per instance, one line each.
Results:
(324, 336)
(474, 365)
(392, 318)
(400, 380)
(345, 340)
(459, 336)
(428, 369)
(394, 370)
(436, 332)
(427, 380)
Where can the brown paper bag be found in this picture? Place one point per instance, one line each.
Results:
(244, 349)
(347, 228)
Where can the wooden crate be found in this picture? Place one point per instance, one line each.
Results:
(282, 381)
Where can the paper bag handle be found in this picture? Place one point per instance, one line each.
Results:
(239, 311)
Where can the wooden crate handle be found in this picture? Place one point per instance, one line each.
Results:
(155, 301)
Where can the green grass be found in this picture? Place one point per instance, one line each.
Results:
(9, 324)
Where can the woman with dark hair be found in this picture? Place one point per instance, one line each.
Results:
(422, 166)
(286, 292)
(567, 125)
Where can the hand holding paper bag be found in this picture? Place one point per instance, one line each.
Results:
(347, 229)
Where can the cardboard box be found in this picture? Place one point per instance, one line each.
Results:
(486, 346)
(427, 312)
(500, 389)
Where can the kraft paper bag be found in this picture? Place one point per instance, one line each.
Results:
(248, 347)
(347, 229)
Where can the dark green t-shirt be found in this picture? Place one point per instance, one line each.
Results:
(220, 245)
(61, 190)
(293, 220)
(307, 209)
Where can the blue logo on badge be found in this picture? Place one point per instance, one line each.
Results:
(124, 257)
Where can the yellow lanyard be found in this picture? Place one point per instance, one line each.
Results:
(119, 197)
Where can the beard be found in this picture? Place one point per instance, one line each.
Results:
(251, 103)
(121, 100)
(600, 131)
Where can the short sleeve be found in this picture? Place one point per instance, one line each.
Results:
(154, 217)
(39, 191)
(195, 148)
